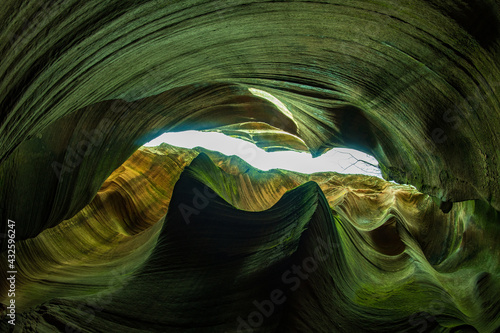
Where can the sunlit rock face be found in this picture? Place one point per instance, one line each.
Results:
(415, 84)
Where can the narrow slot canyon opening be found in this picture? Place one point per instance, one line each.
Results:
(340, 160)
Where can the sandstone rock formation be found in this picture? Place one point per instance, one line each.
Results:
(414, 83)
(364, 254)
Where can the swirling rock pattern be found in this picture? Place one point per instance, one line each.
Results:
(414, 83)
(324, 253)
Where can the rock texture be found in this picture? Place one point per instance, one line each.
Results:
(414, 83)
(342, 252)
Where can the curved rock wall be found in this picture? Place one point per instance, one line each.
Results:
(343, 252)
(414, 83)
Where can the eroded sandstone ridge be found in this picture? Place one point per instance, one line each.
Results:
(178, 240)
(414, 83)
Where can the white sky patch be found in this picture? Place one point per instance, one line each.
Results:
(341, 160)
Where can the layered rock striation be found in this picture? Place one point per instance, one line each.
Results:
(239, 249)
(414, 83)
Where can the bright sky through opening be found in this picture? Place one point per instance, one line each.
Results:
(341, 160)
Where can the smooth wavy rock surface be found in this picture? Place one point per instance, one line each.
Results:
(310, 260)
(415, 83)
